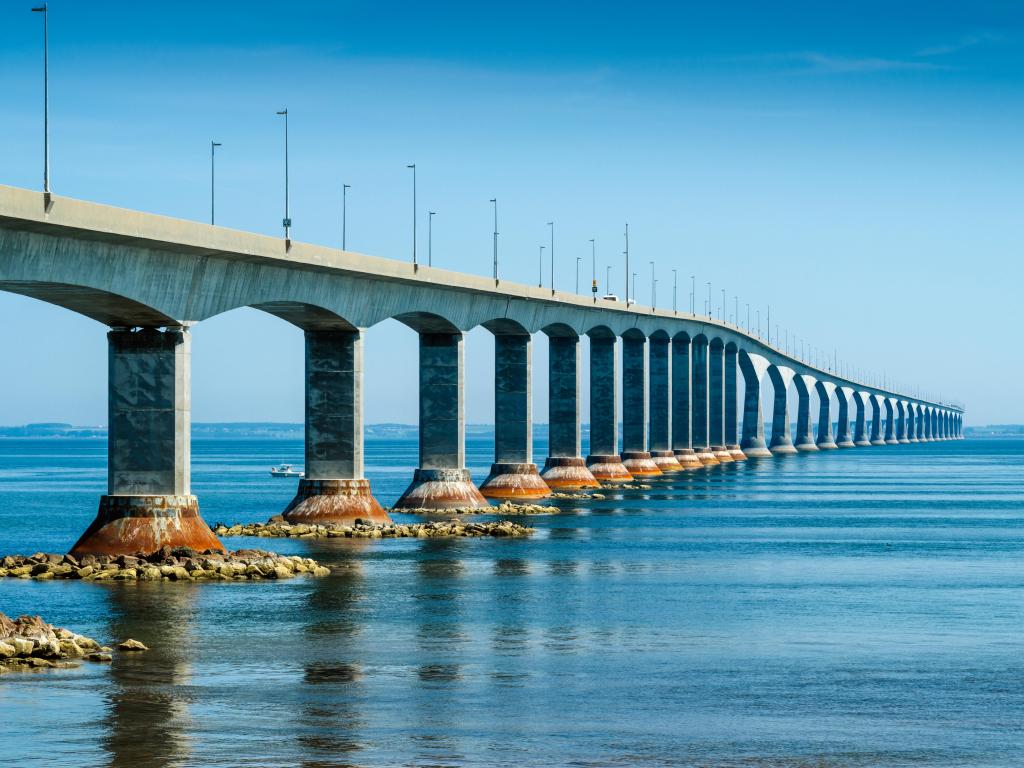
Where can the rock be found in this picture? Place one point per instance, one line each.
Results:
(22, 646)
(132, 645)
(7, 650)
(99, 656)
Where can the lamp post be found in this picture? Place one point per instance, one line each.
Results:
(578, 260)
(709, 299)
(653, 282)
(693, 292)
(494, 200)
(213, 148)
(344, 215)
(634, 286)
(413, 167)
(430, 237)
(593, 267)
(608, 279)
(675, 281)
(45, 10)
(552, 225)
(286, 222)
(722, 317)
(540, 268)
(748, 317)
(626, 253)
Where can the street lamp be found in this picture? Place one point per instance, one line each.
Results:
(674, 287)
(626, 252)
(608, 279)
(413, 167)
(213, 147)
(634, 286)
(709, 300)
(430, 238)
(495, 201)
(552, 225)
(344, 215)
(286, 222)
(578, 260)
(693, 293)
(45, 10)
(593, 267)
(653, 281)
(722, 318)
(540, 268)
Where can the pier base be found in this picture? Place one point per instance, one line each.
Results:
(127, 525)
(514, 481)
(736, 452)
(334, 501)
(722, 454)
(806, 447)
(666, 461)
(687, 458)
(441, 489)
(608, 468)
(640, 464)
(567, 473)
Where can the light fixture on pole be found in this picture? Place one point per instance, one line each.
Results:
(45, 10)
(608, 280)
(286, 222)
(344, 215)
(494, 200)
(674, 291)
(413, 167)
(593, 267)
(540, 268)
(626, 252)
(578, 260)
(430, 237)
(213, 148)
(653, 282)
(709, 300)
(634, 286)
(693, 293)
(552, 225)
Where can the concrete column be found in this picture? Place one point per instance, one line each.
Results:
(876, 421)
(442, 480)
(699, 412)
(604, 462)
(333, 489)
(860, 437)
(513, 473)
(149, 503)
(565, 468)
(843, 439)
(660, 398)
(732, 426)
(635, 457)
(902, 407)
(926, 424)
(782, 442)
(753, 442)
(804, 431)
(825, 391)
(891, 425)
(911, 416)
(716, 401)
(682, 380)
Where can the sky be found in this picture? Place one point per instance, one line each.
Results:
(856, 166)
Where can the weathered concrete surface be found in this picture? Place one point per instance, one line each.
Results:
(699, 413)
(891, 423)
(825, 391)
(336, 501)
(732, 434)
(860, 435)
(659, 394)
(604, 462)
(666, 461)
(876, 420)
(608, 468)
(753, 368)
(514, 481)
(640, 464)
(568, 473)
(634, 395)
(687, 458)
(716, 396)
(843, 435)
(565, 469)
(682, 435)
(441, 489)
(148, 502)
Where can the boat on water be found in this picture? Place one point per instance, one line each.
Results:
(285, 470)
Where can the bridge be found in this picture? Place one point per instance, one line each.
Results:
(150, 278)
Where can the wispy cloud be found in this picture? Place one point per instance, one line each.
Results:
(829, 63)
(970, 41)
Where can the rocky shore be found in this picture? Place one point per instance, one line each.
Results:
(505, 508)
(626, 487)
(277, 528)
(180, 564)
(28, 642)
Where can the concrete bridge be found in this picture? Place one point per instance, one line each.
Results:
(150, 278)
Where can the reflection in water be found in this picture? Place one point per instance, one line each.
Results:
(147, 720)
(441, 639)
(332, 717)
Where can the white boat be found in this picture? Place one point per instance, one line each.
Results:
(285, 470)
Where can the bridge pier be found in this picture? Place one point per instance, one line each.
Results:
(565, 468)
(716, 402)
(843, 439)
(753, 442)
(333, 489)
(660, 426)
(635, 457)
(513, 474)
(912, 423)
(732, 438)
(876, 421)
(148, 503)
(901, 421)
(782, 441)
(700, 413)
(825, 391)
(442, 480)
(682, 430)
(891, 422)
(860, 435)
(804, 433)
(604, 462)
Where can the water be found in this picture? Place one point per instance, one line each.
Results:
(853, 608)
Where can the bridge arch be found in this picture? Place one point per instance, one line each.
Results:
(753, 367)
(112, 309)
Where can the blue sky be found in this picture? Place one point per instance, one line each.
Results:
(856, 166)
